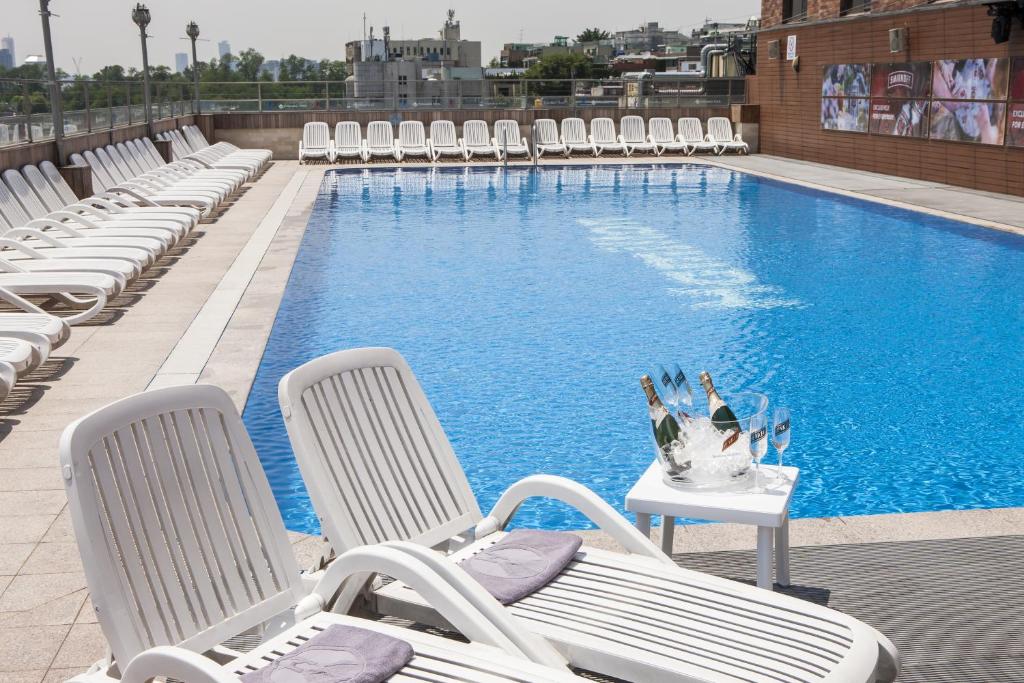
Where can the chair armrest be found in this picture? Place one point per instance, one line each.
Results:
(43, 223)
(737, 138)
(580, 497)
(21, 247)
(463, 602)
(174, 662)
(15, 233)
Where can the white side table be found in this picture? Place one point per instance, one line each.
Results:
(769, 511)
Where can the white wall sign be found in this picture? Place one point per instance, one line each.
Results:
(790, 48)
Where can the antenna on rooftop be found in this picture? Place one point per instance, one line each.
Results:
(364, 25)
(77, 61)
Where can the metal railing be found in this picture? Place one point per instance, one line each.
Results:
(26, 112)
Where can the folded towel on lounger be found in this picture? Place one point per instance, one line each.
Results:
(522, 562)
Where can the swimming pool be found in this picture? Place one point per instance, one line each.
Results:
(529, 305)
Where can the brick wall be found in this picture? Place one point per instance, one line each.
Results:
(790, 101)
(819, 10)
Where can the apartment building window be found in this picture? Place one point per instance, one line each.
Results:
(853, 7)
(794, 10)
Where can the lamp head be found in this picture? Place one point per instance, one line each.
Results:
(140, 15)
(192, 30)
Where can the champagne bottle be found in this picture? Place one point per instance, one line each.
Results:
(722, 416)
(666, 428)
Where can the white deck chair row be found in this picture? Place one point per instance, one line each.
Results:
(390, 493)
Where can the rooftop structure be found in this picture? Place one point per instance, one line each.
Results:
(448, 49)
(648, 37)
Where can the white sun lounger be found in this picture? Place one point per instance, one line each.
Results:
(31, 318)
(8, 378)
(199, 554)
(348, 141)
(720, 133)
(663, 137)
(68, 287)
(691, 132)
(316, 142)
(188, 171)
(574, 136)
(378, 467)
(634, 136)
(380, 141)
(477, 141)
(412, 140)
(216, 159)
(113, 183)
(444, 142)
(507, 138)
(547, 140)
(225, 150)
(602, 135)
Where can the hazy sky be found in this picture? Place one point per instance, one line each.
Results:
(101, 32)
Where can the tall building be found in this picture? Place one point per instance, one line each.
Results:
(180, 62)
(7, 43)
(223, 48)
(447, 49)
(649, 37)
(6, 59)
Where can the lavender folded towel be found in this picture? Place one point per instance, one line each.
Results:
(522, 562)
(339, 654)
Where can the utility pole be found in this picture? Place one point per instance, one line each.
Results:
(56, 104)
(141, 17)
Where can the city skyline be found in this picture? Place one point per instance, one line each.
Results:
(276, 30)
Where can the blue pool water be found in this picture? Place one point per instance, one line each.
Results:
(530, 304)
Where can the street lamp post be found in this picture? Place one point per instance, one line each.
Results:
(56, 104)
(192, 31)
(140, 15)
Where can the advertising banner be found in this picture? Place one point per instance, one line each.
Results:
(844, 113)
(982, 122)
(909, 80)
(1015, 116)
(846, 80)
(970, 79)
(905, 118)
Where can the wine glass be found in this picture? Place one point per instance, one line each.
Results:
(780, 432)
(667, 387)
(683, 388)
(758, 446)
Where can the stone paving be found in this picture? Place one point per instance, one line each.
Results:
(206, 313)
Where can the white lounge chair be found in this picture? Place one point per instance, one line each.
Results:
(179, 174)
(316, 142)
(110, 179)
(691, 132)
(380, 141)
(378, 467)
(477, 141)
(574, 137)
(198, 553)
(634, 135)
(348, 141)
(507, 138)
(720, 133)
(602, 135)
(227, 149)
(444, 142)
(30, 318)
(412, 140)
(8, 375)
(546, 138)
(663, 137)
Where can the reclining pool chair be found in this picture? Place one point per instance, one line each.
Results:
(663, 137)
(547, 140)
(380, 141)
(574, 136)
(378, 467)
(508, 139)
(720, 133)
(602, 135)
(634, 135)
(145, 194)
(200, 554)
(316, 142)
(348, 141)
(412, 140)
(443, 140)
(226, 150)
(477, 141)
(691, 132)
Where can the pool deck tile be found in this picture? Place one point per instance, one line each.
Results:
(207, 317)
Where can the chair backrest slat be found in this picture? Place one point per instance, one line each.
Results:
(412, 134)
(475, 134)
(181, 540)
(316, 135)
(547, 131)
(372, 452)
(691, 129)
(442, 134)
(574, 130)
(661, 129)
(11, 209)
(51, 200)
(602, 130)
(57, 182)
(380, 134)
(23, 193)
(632, 128)
(348, 135)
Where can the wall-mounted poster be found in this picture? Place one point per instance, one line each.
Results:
(910, 80)
(905, 118)
(970, 79)
(982, 122)
(844, 113)
(846, 80)
(1015, 115)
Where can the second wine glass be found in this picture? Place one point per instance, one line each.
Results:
(758, 446)
(780, 432)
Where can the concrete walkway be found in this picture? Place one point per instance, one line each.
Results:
(206, 314)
